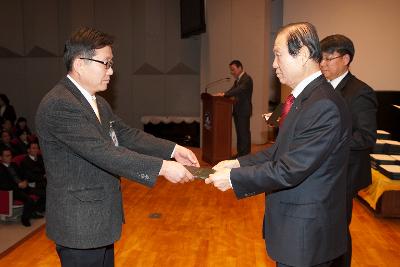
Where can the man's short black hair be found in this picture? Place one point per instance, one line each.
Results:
(5, 99)
(83, 43)
(302, 34)
(32, 143)
(338, 43)
(237, 63)
(4, 148)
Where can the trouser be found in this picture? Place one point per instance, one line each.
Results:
(325, 264)
(94, 257)
(29, 204)
(345, 259)
(40, 204)
(242, 126)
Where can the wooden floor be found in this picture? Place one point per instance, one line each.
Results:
(200, 226)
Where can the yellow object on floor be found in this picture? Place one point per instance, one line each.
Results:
(380, 184)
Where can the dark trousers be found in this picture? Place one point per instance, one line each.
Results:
(40, 204)
(95, 257)
(29, 204)
(325, 264)
(242, 126)
(345, 259)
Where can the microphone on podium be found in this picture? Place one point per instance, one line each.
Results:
(212, 84)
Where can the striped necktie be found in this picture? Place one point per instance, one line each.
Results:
(93, 103)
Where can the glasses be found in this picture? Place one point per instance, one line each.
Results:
(107, 64)
(329, 59)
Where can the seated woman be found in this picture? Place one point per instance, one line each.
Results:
(22, 125)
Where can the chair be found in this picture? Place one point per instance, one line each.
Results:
(18, 159)
(9, 210)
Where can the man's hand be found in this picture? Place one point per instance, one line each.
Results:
(220, 179)
(175, 172)
(185, 156)
(227, 164)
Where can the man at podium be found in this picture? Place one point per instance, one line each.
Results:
(242, 91)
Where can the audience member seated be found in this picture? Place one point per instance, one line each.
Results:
(32, 167)
(22, 125)
(5, 142)
(7, 111)
(8, 127)
(20, 143)
(10, 179)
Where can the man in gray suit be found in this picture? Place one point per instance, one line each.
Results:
(87, 148)
(303, 174)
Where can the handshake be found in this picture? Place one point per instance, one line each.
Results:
(175, 172)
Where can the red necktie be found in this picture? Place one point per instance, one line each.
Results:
(286, 108)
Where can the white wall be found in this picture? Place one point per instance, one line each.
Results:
(239, 30)
(373, 26)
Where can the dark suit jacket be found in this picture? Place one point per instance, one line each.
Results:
(83, 167)
(361, 100)
(6, 179)
(242, 91)
(303, 175)
(34, 171)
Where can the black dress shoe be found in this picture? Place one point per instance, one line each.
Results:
(25, 222)
(34, 215)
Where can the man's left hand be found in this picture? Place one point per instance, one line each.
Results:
(220, 179)
(185, 156)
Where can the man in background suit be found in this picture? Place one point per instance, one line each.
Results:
(87, 148)
(11, 179)
(303, 174)
(32, 166)
(241, 91)
(337, 54)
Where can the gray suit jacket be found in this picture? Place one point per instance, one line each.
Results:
(304, 178)
(83, 167)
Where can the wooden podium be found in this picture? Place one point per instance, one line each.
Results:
(217, 128)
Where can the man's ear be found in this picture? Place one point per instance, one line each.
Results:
(346, 59)
(304, 54)
(77, 65)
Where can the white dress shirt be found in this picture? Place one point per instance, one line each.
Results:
(335, 82)
(90, 98)
(300, 87)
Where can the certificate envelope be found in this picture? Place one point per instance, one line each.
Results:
(200, 173)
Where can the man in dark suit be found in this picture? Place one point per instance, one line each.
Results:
(241, 91)
(303, 174)
(87, 148)
(337, 54)
(32, 167)
(11, 179)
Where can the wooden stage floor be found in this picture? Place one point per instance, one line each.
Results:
(201, 226)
